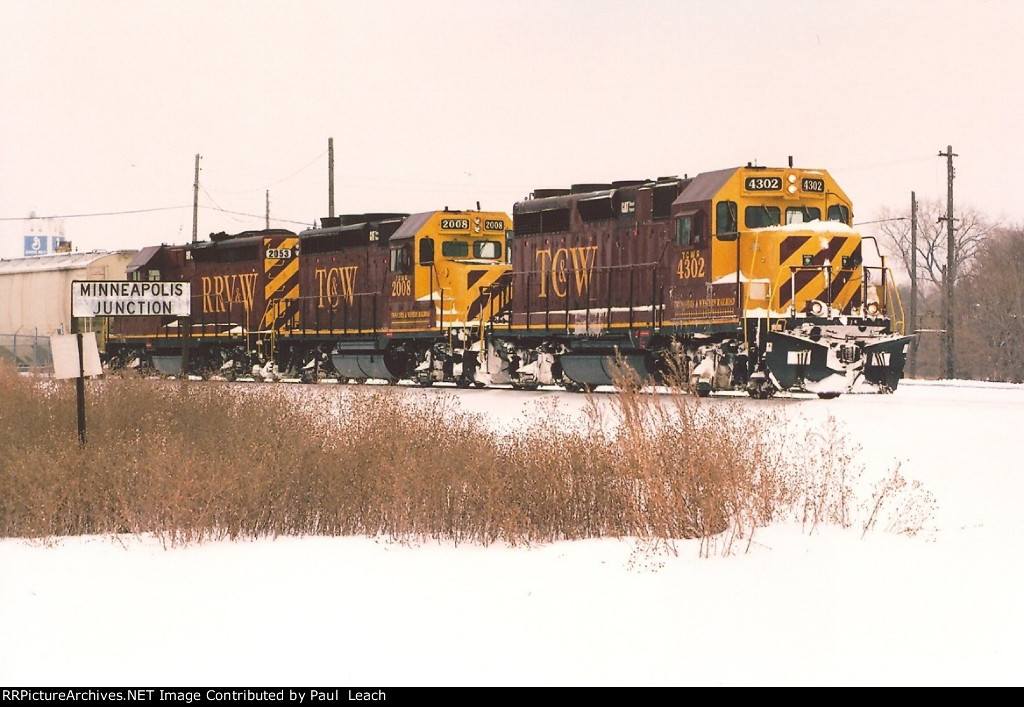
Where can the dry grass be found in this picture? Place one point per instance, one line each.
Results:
(192, 462)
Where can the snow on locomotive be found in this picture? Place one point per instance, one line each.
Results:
(747, 278)
(384, 296)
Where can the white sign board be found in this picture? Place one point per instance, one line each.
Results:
(64, 348)
(127, 298)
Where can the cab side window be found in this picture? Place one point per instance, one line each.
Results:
(400, 260)
(426, 251)
(688, 229)
(725, 217)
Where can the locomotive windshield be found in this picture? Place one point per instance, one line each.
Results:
(487, 250)
(802, 214)
(761, 216)
(839, 212)
(455, 249)
(482, 250)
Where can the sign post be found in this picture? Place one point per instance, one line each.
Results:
(76, 355)
(112, 298)
(79, 381)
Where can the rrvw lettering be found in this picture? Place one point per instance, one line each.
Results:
(555, 265)
(333, 284)
(220, 291)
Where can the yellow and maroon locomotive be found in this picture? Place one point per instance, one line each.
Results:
(388, 296)
(748, 278)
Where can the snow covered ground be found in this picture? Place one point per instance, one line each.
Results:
(799, 608)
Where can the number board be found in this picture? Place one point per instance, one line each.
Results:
(455, 224)
(813, 185)
(281, 253)
(763, 184)
(494, 225)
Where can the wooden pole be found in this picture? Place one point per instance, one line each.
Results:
(195, 203)
(330, 176)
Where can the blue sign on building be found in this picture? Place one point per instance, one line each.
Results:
(42, 245)
(36, 245)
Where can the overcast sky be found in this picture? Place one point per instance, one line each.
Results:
(104, 105)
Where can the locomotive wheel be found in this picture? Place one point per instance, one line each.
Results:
(463, 382)
(518, 385)
(828, 396)
(573, 387)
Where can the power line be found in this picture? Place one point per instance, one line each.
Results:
(240, 213)
(143, 211)
(99, 213)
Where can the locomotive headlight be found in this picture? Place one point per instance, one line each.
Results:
(817, 308)
(872, 308)
(791, 189)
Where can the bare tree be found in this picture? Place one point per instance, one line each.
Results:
(970, 230)
(990, 308)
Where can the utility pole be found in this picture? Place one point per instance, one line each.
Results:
(330, 176)
(950, 265)
(913, 282)
(267, 226)
(195, 203)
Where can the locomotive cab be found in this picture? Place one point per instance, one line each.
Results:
(812, 318)
(446, 277)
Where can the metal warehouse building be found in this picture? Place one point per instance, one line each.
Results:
(35, 299)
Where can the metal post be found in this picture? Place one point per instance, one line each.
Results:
(79, 381)
(185, 329)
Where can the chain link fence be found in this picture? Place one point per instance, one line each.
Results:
(28, 351)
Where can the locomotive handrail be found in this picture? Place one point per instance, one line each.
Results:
(901, 322)
(825, 269)
(567, 298)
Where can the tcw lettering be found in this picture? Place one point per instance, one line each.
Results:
(580, 259)
(335, 283)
